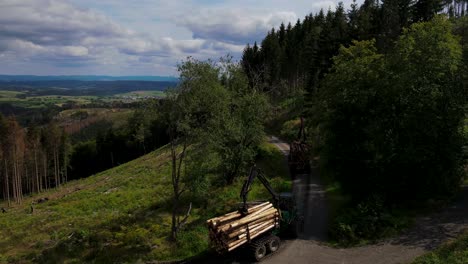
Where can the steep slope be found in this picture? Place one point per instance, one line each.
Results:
(110, 210)
(119, 215)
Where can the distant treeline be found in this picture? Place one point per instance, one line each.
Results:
(12, 78)
(38, 158)
(41, 116)
(82, 88)
(144, 132)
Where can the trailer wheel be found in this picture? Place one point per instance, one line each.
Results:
(274, 244)
(259, 251)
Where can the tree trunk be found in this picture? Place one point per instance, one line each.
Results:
(46, 182)
(7, 183)
(58, 170)
(176, 176)
(36, 171)
(15, 189)
(55, 168)
(20, 185)
(175, 187)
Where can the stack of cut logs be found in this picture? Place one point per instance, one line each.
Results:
(232, 230)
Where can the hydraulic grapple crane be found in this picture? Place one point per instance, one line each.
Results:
(243, 228)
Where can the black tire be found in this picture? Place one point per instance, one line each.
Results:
(273, 244)
(259, 251)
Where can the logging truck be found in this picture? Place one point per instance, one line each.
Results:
(255, 226)
(298, 158)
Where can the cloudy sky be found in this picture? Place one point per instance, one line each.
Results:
(134, 37)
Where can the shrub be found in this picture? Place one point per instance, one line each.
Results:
(368, 220)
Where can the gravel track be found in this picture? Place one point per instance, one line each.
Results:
(427, 234)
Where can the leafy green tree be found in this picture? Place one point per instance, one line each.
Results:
(343, 118)
(190, 113)
(240, 129)
(391, 126)
(427, 68)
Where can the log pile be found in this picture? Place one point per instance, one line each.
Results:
(234, 229)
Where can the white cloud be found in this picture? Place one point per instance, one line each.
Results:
(133, 37)
(234, 26)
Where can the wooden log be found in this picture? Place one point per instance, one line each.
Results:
(253, 217)
(248, 219)
(251, 225)
(218, 217)
(221, 221)
(233, 240)
(238, 245)
(253, 230)
(263, 209)
(229, 219)
(240, 231)
(232, 230)
(227, 228)
(242, 223)
(253, 208)
(244, 240)
(250, 210)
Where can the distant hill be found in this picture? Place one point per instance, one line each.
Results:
(82, 88)
(13, 78)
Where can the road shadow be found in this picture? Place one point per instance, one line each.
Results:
(431, 231)
(312, 205)
(311, 200)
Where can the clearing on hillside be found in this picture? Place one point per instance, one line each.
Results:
(122, 214)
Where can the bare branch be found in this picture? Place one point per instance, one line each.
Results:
(184, 221)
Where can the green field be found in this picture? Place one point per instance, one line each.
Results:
(120, 215)
(112, 113)
(140, 94)
(42, 101)
(14, 98)
(136, 95)
(8, 94)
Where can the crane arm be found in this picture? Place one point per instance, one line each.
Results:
(254, 172)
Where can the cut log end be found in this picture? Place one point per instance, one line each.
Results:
(232, 230)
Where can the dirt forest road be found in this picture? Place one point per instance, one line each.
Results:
(428, 233)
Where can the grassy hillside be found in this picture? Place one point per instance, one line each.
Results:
(122, 214)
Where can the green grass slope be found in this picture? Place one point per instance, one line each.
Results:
(120, 215)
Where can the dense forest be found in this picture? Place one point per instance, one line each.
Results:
(41, 157)
(383, 89)
(296, 57)
(32, 160)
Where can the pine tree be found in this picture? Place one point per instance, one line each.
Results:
(34, 146)
(425, 10)
(3, 158)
